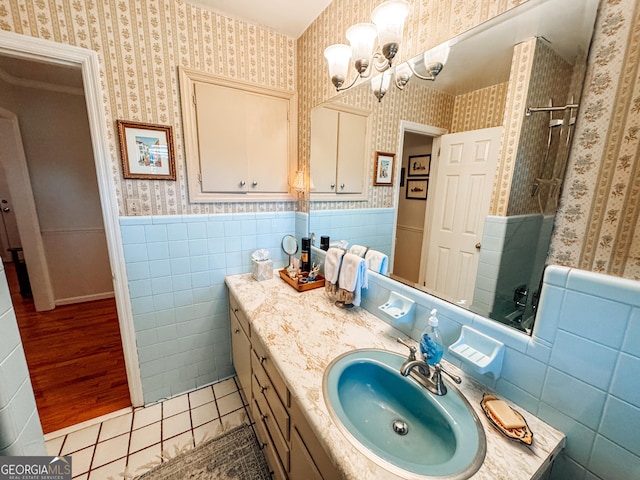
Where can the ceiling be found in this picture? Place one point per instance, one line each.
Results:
(289, 17)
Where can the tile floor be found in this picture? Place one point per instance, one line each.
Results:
(131, 443)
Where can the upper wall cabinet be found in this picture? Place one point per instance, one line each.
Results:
(338, 152)
(240, 139)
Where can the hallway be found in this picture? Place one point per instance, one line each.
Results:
(75, 358)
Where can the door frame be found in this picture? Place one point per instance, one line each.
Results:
(46, 51)
(427, 131)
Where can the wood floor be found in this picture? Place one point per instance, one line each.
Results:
(75, 358)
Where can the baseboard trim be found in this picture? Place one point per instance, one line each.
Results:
(85, 298)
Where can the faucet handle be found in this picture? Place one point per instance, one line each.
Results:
(438, 368)
(412, 349)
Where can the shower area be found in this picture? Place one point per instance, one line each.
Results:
(543, 149)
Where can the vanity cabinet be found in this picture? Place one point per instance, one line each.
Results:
(291, 448)
(338, 147)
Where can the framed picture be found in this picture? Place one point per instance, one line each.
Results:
(146, 151)
(417, 188)
(383, 171)
(419, 165)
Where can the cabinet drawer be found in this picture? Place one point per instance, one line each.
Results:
(276, 379)
(234, 309)
(264, 387)
(277, 470)
(267, 418)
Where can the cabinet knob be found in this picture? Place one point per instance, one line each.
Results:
(342, 186)
(235, 310)
(333, 185)
(242, 183)
(263, 359)
(237, 330)
(263, 389)
(255, 184)
(264, 418)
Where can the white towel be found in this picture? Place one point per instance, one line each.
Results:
(353, 276)
(358, 250)
(377, 261)
(332, 262)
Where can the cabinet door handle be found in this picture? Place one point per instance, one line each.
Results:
(235, 310)
(342, 186)
(237, 330)
(242, 183)
(263, 389)
(255, 184)
(263, 359)
(264, 418)
(333, 185)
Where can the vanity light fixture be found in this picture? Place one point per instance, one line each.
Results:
(388, 24)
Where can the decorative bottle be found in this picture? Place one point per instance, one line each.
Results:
(305, 255)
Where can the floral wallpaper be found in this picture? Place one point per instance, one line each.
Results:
(598, 223)
(140, 44)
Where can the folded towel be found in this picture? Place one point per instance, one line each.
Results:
(353, 275)
(332, 263)
(358, 250)
(377, 261)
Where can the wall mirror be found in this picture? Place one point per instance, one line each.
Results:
(500, 247)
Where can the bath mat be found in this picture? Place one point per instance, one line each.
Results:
(234, 455)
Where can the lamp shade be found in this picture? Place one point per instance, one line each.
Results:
(362, 37)
(298, 181)
(338, 57)
(389, 19)
(439, 54)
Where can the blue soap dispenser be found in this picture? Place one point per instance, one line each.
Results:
(431, 346)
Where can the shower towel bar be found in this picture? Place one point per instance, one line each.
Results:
(531, 110)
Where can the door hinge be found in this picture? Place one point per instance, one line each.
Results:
(193, 98)
(200, 178)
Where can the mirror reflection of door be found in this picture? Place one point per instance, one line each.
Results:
(464, 183)
(410, 227)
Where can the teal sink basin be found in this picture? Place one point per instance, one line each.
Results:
(399, 424)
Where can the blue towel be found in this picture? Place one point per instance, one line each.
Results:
(353, 276)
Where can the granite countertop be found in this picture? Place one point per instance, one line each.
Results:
(305, 331)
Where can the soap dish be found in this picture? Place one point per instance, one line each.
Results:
(398, 308)
(522, 434)
(482, 352)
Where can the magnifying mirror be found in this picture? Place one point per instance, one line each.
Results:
(290, 246)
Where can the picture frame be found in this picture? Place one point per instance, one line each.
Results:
(417, 188)
(146, 151)
(419, 165)
(383, 171)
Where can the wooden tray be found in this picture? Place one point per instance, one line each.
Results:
(523, 434)
(302, 287)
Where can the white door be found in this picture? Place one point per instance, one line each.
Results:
(463, 185)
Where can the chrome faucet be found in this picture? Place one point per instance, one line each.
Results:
(420, 372)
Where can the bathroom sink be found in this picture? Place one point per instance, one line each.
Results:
(399, 424)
